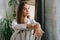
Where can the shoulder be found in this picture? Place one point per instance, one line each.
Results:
(32, 20)
(14, 21)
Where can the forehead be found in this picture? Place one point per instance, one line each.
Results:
(26, 6)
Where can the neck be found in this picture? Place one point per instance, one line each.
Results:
(23, 19)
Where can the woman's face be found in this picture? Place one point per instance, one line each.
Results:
(25, 10)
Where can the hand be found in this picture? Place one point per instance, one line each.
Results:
(38, 31)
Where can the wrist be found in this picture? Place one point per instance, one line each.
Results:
(37, 27)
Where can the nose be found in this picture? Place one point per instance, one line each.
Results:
(27, 10)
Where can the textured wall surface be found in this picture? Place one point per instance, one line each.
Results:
(58, 17)
(50, 20)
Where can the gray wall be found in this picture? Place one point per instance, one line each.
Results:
(58, 17)
(50, 20)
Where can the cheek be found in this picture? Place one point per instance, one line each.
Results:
(24, 11)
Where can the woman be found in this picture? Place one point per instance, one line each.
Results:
(23, 22)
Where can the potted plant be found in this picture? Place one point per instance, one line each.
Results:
(5, 28)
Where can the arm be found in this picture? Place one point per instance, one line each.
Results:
(37, 29)
(16, 26)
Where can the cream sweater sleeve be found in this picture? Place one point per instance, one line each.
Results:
(16, 26)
